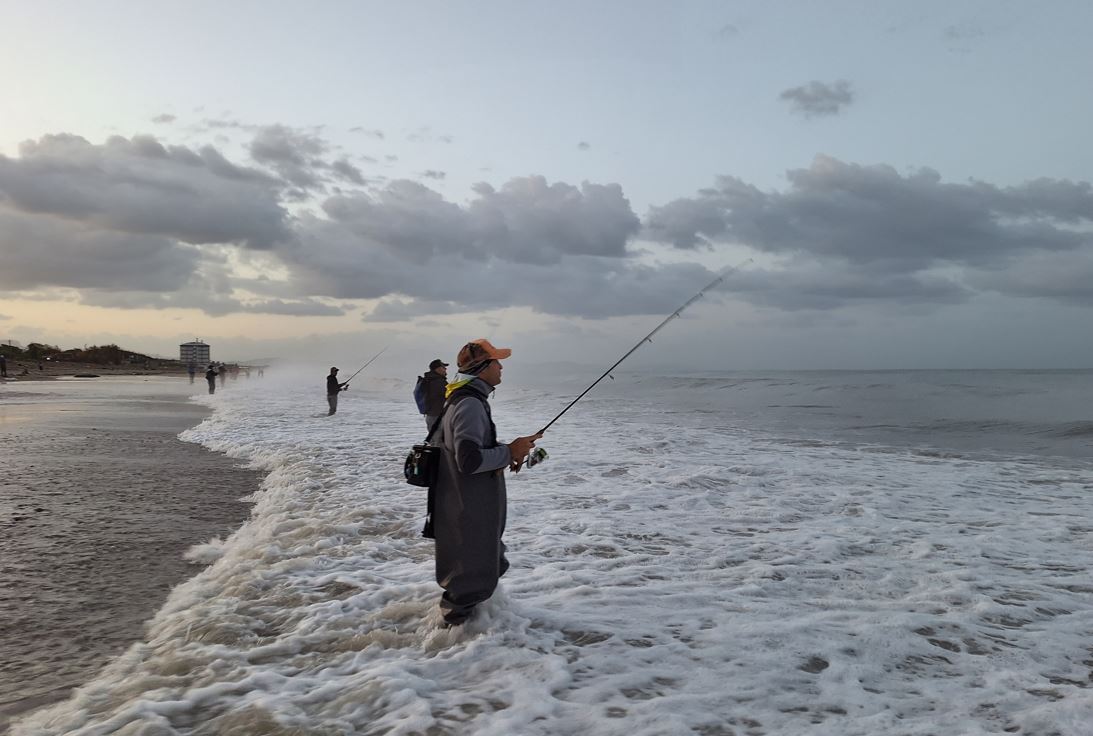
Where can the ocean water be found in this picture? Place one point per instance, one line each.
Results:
(792, 553)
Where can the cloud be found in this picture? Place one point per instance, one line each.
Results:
(5, 316)
(807, 284)
(556, 248)
(816, 99)
(433, 174)
(50, 251)
(164, 119)
(209, 297)
(139, 186)
(870, 223)
(294, 154)
(136, 223)
(583, 146)
(399, 310)
(373, 133)
(1062, 277)
(348, 171)
(299, 308)
(528, 221)
(226, 124)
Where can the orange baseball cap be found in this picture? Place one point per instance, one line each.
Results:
(479, 351)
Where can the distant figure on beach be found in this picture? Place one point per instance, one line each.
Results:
(261, 371)
(3, 366)
(223, 373)
(191, 369)
(429, 391)
(333, 388)
(210, 376)
(470, 499)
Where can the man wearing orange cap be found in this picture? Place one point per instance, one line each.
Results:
(471, 502)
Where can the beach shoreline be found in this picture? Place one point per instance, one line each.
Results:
(99, 500)
(52, 369)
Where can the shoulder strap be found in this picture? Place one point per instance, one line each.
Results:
(436, 424)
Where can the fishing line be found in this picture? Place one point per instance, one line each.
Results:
(647, 338)
(346, 382)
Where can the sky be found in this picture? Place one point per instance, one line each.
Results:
(883, 184)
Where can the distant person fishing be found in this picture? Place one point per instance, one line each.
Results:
(334, 387)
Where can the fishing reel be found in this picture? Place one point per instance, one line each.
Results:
(536, 456)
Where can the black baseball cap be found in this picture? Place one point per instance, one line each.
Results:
(436, 364)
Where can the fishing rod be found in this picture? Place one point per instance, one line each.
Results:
(346, 382)
(642, 341)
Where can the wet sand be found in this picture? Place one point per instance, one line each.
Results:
(98, 502)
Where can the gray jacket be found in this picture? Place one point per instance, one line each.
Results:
(467, 434)
(470, 501)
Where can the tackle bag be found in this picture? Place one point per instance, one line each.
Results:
(421, 465)
(421, 468)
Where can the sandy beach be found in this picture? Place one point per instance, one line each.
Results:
(99, 500)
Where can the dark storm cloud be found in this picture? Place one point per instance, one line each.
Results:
(135, 223)
(140, 186)
(874, 215)
(206, 297)
(1062, 277)
(817, 285)
(50, 251)
(872, 222)
(555, 248)
(816, 99)
(528, 220)
(582, 287)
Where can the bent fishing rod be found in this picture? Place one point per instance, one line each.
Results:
(647, 338)
(346, 383)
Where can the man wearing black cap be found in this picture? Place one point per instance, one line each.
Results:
(432, 388)
(333, 388)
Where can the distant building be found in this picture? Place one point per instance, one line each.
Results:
(194, 352)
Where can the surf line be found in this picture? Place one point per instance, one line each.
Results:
(539, 454)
